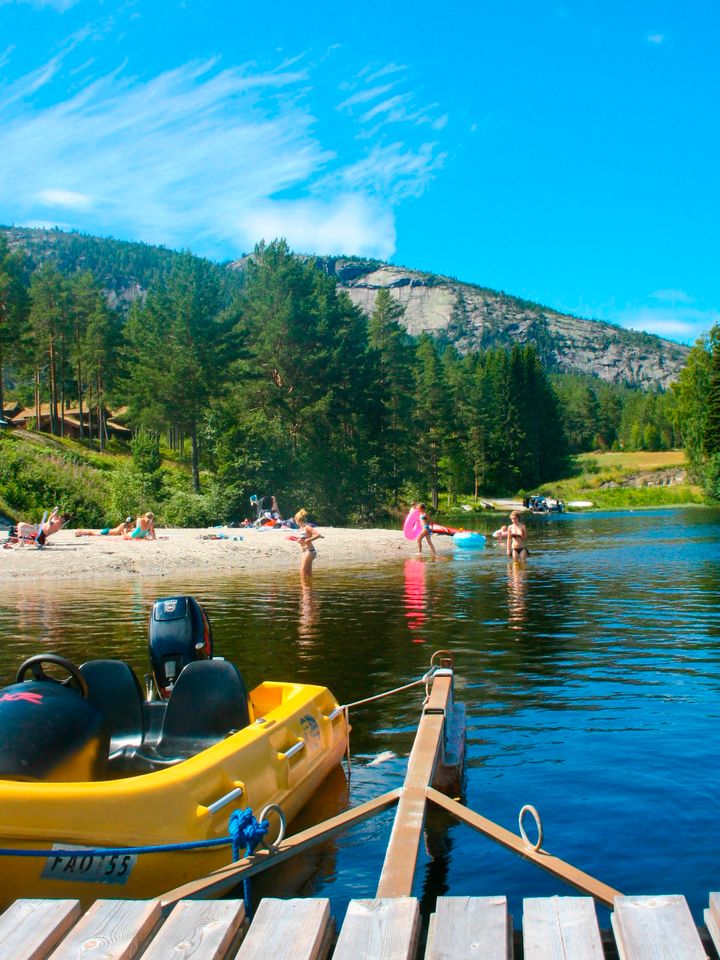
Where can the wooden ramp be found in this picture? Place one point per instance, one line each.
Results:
(462, 928)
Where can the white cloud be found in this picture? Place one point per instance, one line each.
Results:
(60, 5)
(69, 199)
(349, 223)
(678, 323)
(392, 104)
(672, 296)
(392, 171)
(363, 96)
(656, 38)
(202, 157)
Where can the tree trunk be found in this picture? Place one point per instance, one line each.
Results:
(37, 398)
(90, 423)
(195, 458)
(2, 391)
(53, 388)
(62, 392)
(80, 389)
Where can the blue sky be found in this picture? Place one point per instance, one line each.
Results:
(562, 151)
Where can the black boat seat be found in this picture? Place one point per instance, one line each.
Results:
(115, 691)
(208, 702)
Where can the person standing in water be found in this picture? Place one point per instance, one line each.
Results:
(307, 535)
(426, 532)
(517, 539)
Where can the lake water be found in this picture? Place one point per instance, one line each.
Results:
(591, 679)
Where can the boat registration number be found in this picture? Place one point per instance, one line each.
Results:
(84, 865)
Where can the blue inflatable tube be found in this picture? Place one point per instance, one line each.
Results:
(469, 540)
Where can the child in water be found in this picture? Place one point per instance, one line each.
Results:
(426, 532)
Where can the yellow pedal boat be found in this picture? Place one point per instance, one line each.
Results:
(90, 765)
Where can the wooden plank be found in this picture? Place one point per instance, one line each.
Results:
(379, 930)
(656, 928)
(396, 878)
(224, 877)
(289, 930)
(712, 919)
(474, 928)
(511, 841)
(555, 928)
(198, 930)
(29, 929)
(110, 930)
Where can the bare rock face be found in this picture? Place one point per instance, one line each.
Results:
(473, 317)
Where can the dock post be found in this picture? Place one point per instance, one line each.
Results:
(398, 871)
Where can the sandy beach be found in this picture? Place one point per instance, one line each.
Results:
(190, 551)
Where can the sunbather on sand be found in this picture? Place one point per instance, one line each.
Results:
(37, 533)
(122, 528)
(144, 528)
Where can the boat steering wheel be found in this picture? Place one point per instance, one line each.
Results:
(34, 665)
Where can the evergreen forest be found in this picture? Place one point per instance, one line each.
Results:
(269, 380)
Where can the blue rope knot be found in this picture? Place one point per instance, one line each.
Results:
(245, 831)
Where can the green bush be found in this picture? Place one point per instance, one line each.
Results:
(32, 480)
(131, 492)
(711, 477)
(186, 509)
(621, 497)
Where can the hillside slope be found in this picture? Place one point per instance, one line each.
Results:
(468, 316)
(473, 317)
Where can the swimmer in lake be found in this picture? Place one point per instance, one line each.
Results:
(516, 539)
(307, 535)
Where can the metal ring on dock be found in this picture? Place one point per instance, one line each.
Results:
(528, 808)
(274, 808)
(442, 653)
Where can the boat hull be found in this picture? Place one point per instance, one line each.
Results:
(298, 737)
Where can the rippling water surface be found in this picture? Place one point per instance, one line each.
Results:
(591, 679)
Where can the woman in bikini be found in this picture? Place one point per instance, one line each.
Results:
(516, 538)
(144, 528)
(118, 531)
(307, 535)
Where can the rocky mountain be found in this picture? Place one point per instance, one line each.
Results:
(468, 316)
(473, 317)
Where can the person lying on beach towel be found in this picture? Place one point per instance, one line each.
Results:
(122, 528)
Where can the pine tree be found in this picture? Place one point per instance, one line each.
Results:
(48, 323)
(433, 414)
(178, 351)
(14, 307)
(310, 374)
(394, 386)
(711, 433)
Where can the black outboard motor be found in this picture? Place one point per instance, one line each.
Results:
(179, 632)
(49, 731)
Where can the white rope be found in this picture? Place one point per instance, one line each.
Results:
(345, 707)
(388, 693)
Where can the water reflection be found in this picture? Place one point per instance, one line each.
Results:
(590, 679)
(307, 620)
(517, 595)
(415, 597)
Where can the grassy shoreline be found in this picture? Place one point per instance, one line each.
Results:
(37, 471)
(613, 481)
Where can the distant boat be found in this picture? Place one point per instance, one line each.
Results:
(580, 504)
(540, 504)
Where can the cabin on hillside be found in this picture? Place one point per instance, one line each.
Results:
(25, 419)
(7, 414)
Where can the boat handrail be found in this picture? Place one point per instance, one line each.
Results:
(291, 751)
(223, 801)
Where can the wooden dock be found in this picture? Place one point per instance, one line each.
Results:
(180, 926)
(462, 928)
